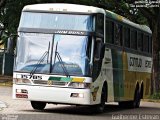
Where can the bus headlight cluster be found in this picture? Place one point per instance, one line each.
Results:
(79, 85)
(21, 81)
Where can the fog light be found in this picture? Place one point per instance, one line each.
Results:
(21, 91)
(18, 90)
(80, 95)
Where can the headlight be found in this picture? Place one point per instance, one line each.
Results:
(21, 81)
(79, 85)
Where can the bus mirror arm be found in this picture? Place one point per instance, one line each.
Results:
(102, 51)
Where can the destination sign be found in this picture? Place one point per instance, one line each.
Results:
(139, 63)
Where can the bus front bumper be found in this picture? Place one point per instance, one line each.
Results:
(56, 95)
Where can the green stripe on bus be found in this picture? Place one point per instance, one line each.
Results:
(64, 79)
(55, 78)
(118, 74)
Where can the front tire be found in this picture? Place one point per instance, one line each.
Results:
(38, 105)
(101, 107)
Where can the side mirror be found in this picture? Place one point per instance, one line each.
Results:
(99, 49)
(10, 48)
(11, 43)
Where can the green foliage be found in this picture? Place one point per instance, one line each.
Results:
(155, 96)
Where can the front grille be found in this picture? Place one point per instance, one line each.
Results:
(50, 82)
(43, 82)
(59, 83)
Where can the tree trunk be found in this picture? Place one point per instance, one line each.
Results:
(155, 57)
(2, 2)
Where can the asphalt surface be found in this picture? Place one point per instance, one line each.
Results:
(21, 110)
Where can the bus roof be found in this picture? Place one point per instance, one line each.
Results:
(64, 7)
(124, 20)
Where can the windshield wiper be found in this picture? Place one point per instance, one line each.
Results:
(57, 55)
(41, 60)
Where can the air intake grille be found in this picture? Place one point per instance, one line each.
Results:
(50, 82)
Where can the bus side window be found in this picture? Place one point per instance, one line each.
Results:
(140, 41)
(146, 43)
(134, 39)
(118, 34)
(127, 37)
(109, 32)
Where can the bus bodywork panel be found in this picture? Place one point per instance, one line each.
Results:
(123, 71)
(128, 71)
(54, 94)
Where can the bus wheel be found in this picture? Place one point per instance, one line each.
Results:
(38, 105)
(137, 99)
(136, 102)
(100, 107)
(132, 104)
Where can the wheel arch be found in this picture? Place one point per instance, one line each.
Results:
(137, 87)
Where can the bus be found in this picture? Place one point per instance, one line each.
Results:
(81, 55)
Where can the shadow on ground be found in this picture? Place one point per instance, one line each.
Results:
(80, 110)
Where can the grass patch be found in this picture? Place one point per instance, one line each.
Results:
(6, 83)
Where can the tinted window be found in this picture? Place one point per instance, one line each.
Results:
(57, 21)
(146, 43)
(140, 41)
(127, 37)
(133, 39)
(118, 34)
(109, 31)
(100, 23)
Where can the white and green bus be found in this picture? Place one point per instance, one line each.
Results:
(81, 55)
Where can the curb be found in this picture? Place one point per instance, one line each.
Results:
(6, 80)
(151, 100)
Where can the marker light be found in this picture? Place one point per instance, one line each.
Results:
(79, 85)
(21, 81)
(21, 91)
(80, 95)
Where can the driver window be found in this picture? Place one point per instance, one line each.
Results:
(100, 23)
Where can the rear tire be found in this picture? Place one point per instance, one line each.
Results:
(137, 99)
(38, 105)
(132, 104)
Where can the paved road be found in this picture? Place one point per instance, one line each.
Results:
(18, 110)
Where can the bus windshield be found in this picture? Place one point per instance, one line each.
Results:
(72, 49)
(57, 21)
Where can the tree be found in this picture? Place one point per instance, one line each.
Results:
(153, 17)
